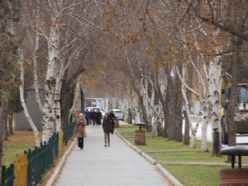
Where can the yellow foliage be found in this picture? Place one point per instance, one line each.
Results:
(90, 83)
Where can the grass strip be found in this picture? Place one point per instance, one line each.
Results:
(16, 144)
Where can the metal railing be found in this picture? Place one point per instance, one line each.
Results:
(38, 161)
(42, 159)
(8, 175)
(68, 132)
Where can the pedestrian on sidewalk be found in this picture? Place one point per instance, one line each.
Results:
(98, 117)
(94, 117)
(108, 127)
(80, 131)
(87, 117)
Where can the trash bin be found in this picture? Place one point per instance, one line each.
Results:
(117, 123)
(140, 137)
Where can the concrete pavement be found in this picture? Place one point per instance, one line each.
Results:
(117, 165)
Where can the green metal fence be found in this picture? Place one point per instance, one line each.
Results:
(68, 132)
(40, 159)
(8, 175)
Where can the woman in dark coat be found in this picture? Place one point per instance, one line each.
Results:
(108, 127)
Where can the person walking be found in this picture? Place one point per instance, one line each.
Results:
(98, 117)
(80, 131)
(94, 117)
(87, 117)
(108, 127)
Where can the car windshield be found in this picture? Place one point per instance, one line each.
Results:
(118, 112)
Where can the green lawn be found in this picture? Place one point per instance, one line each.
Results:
(16, 144)
(188, 175)
(195, 175)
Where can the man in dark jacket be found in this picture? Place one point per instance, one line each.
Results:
(108, 127)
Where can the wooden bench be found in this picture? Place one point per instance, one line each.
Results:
(234, 177)
(234, 151)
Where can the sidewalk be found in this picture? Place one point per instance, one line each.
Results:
(117, 165)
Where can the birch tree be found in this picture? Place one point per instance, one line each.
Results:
(23, 103)
(231, 19)
(53, 19)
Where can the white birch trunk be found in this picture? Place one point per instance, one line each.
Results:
(214, 93)
(35, 73)
(146, 104)
(187, 106)
(57, 108)
(202, 74)
(76, 93)
(149, 101)
(154, 127)
(76, 98)
(204, 124)
(61, 69)
(49, 120)
(23, 103)
(141, 86)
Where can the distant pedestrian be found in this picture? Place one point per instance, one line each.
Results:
(90, 115)
(87, 117)
(98, 117)
(94, 117)
(108, 127)
(80, 131)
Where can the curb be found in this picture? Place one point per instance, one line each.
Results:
(164, 172)
(54, 176)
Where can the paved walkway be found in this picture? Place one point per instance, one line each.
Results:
(117, 165)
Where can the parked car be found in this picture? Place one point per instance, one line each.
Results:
(119, 114)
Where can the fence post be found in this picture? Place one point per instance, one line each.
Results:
(3, 175)
(61, 136)
(20, 170)
(29, 176)
(8, 175)
(11, 175)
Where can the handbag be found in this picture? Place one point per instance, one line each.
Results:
(111, 126)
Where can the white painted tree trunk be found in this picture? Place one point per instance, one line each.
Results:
(184, 88)
(23, 103)
(146, 104)
(49, 120)
(204, 124)
(154, 127)
(57, 108)
(214, 93)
